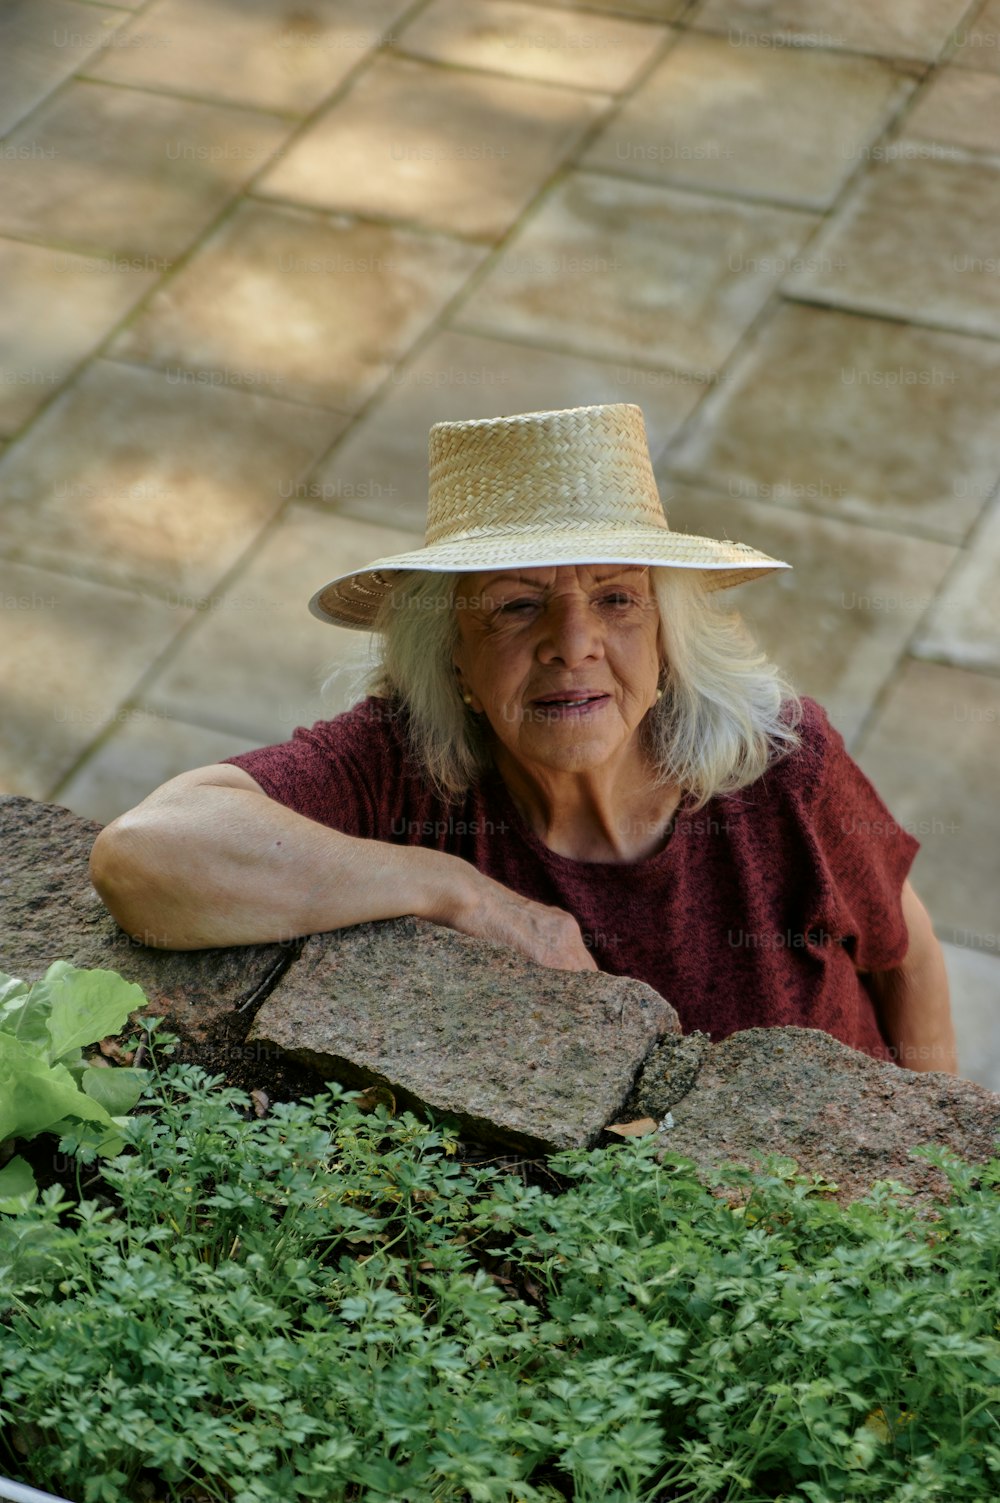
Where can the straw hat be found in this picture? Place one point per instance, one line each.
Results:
(542, 488)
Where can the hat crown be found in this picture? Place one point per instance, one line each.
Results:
(542, 472)
(539, 490)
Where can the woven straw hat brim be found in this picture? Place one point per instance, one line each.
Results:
(537, 489)
(354, 599)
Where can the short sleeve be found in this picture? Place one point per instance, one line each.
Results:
(862, 854)
(338, 772)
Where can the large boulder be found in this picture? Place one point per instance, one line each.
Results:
(802, 1093)
(522, 1054)
(50, 911)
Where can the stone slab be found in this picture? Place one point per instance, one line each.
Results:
(142, 750)
(72, 652)
(977, 42)
(639, 273)
(150, 480)
(917, 29)
(274, 57)
(959, 108)
(454, 150)
(254, 661)
(587, 51)
(698, 121)
(963, 625)
(916, 240)
(974, 983)
(56, 308)
(932, 751)
(802, 1093)
(50, 911)
(41, 44)
(317, 307)
(529, 1056)
(853, 417)
(378, 471)
(650, 10)
(109, 170)
(839, 620)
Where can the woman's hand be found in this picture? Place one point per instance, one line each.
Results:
(548, 936)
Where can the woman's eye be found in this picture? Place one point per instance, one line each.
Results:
(511, 606)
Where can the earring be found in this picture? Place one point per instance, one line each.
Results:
(659, 693)
(467, 697)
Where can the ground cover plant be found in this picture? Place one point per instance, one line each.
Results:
(327, 1303)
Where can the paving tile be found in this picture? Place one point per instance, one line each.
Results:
(838, 622)
(898, 28)
(131, 479)
(977, 44)
(854, 417)
(72, 653)
(135, 174)
(917, 240)
(256, 53)
(42, 44)
(963, 627)
(583, 49)
(779, 125)
(255, 663)
(974, 984)
(143, 750)
(56, 308)
(959, 108)
(452, 150)
(379, 469)
(932, 753)
(319, 308)
(650, 10)
(637, 273)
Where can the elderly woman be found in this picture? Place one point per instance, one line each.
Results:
(568, 750)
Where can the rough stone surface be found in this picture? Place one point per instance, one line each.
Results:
(802, 1093)
(50, 911)
(670, 1072)
(521, 1055)
(533, 1057)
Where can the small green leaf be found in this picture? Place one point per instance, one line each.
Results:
(23, 1012)
(18, 1190)
(11, 987)
(117, 1090)
(34, 1095)
(86, 1006)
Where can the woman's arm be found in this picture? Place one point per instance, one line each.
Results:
(912, 999)
(209, 859)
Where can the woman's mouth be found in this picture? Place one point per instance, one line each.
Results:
(560, 707)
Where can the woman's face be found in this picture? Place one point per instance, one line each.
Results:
(533, 640)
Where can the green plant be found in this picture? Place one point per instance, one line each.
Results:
(46, 1084)
(327, 1304)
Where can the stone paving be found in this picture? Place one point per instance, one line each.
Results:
(250, 252)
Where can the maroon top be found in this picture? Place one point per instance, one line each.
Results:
(750, 915)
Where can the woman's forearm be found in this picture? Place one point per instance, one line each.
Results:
(221, 865)
(915, 1011)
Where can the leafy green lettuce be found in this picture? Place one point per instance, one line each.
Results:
(46, 1084)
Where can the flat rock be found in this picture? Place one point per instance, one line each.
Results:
(802, 1093)
(518, 1053)
(50, 911)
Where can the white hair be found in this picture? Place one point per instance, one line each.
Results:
(726, 713)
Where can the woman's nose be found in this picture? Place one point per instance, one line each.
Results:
(570, 630)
